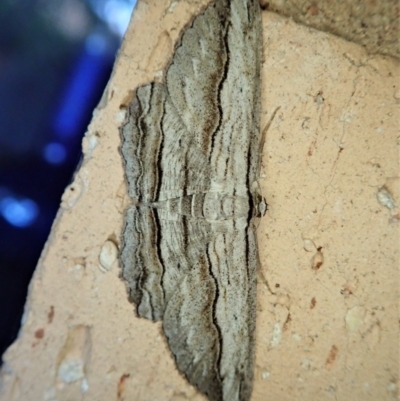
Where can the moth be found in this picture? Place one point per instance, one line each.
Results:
(191, 147)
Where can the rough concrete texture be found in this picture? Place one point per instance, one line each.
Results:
(327, 325)
(370, 23)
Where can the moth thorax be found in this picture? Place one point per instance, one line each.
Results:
(221, 206)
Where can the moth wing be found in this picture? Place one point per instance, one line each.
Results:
(203, 288)
(196, 72)
(214, 84)
(162, 162)
(141, 267)
(209, 316)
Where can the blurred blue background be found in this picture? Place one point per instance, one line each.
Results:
(55, 60)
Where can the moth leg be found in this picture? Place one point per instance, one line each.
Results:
(263, 136)
(264, 280)
(262, 206)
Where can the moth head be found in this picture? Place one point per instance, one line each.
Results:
(260, 204)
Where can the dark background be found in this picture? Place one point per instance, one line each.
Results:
(55, 60)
